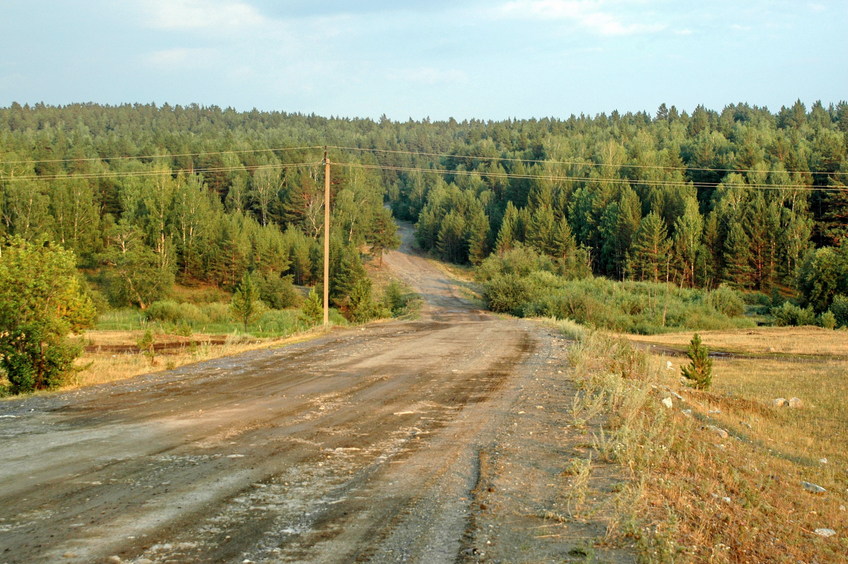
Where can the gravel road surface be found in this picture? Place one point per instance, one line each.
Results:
(442, 439)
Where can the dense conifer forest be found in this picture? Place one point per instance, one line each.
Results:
(146, 195)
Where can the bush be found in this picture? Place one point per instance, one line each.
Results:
(216, 312)
(278, 323)
(519, 261)
(361, 306)
(727, 301)
(172, 312)
(278, 292)
(827, 320)
(839, 308)
(397, 298)
(506, 293)
(42, 300)
(790, 314)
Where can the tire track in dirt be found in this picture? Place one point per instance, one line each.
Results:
(367, 444)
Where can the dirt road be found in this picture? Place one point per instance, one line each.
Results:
(436, 440)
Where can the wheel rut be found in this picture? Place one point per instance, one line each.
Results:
(372, 444)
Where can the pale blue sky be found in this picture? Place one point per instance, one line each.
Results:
(462, 58)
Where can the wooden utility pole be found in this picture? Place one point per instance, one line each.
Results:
(326, 239)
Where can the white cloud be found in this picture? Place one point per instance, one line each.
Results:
(587, 14)
(215, 15)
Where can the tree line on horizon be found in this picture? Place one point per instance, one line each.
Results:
(145, 194)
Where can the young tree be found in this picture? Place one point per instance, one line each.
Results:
(383, 235)
(245, 304)
(452, 244)
(41, 302)
(508, 233)
(134, 276)
(699, 372)
(313, 308)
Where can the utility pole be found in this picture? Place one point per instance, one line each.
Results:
(326, 239)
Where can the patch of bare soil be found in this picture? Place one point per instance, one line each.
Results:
(437, 440)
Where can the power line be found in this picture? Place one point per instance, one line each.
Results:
(397, 168)
(611, 180)
(576, 162)
(443, 172)
(581, 162)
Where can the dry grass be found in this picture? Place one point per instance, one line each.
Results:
(702, 497)
(109, 364)
(760, 341)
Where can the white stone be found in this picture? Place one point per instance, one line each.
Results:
(825, 532)
(814, 488)
(667, 402)
(718, 431)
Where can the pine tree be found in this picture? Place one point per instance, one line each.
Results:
(477, 235)
(245, 304)
(737, 258)
(452, 245)
(699, 372)
(649, 256)
(383, 234)
(313, 308)
(508, 232)
(540, 230)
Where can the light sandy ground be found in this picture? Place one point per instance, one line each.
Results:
(437, 440)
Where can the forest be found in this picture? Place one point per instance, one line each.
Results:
(146, 196)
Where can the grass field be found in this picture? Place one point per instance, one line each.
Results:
(718, 477)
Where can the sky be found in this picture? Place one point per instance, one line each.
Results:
(436, 59)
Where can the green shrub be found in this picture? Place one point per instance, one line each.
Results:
(278, 292)
(278, 323)
(790, 314)
(216, 312)
(42, 300)
(398, 298)
(635, 307)
(827, 320)
(727, 301)
(519, 261)
(506, 293)
(169, 311)
(839, 308)
(757, 299)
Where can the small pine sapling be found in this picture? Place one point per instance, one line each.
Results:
(699, 372)
(147, 346)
